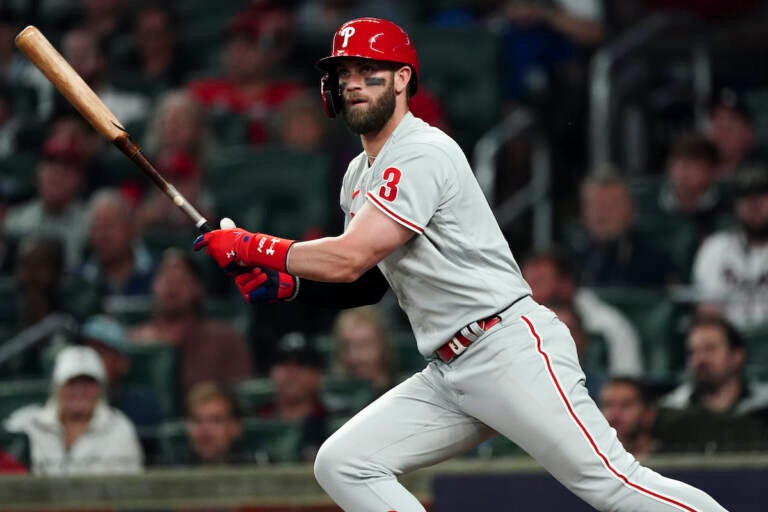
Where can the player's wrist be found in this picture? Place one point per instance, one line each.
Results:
(262, 250)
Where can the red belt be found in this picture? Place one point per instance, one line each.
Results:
(464, 338)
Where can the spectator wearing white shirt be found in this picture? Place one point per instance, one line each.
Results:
(730, 269)
(76, 432)
(552, 280)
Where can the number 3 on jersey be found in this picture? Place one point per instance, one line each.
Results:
(388, 191)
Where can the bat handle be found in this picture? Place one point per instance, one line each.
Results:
(205, 227)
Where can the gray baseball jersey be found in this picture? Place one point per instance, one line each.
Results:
(458, 268)
(520, 378)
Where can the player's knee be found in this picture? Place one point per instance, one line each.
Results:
(329, 462)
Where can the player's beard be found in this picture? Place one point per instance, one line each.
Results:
(371, 120)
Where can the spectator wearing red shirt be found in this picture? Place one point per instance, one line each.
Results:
(248, 86)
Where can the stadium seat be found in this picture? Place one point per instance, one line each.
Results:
(280, 440)
(498, 446)
(155, 367)
(449, 60)
(409, 359)
(345, 396)
(19, 170)
(16, 444)
(654, 317)
(298, 200)
(756, 341)
(15, 394)
(252, 394)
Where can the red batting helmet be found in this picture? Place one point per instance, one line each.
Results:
(366, 38)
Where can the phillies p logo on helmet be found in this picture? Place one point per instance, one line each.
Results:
(346, 33)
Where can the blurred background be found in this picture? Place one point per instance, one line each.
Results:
(621, 144)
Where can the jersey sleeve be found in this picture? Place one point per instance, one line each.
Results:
(411, 187)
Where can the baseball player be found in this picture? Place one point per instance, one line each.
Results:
(417, 221)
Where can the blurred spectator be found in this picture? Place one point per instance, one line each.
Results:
(105, 19)
(249, 85)
(76, 432)
(716, 380)
(86, 54)
(541, 40)
(717, 408)
(609, 250)
(108, 338)
(17, 72)
(364, 352)
(9, 122)
(630, 409)
(690, 190)
(156, 61)
(73, 128)
(209, 349)
(552, 280)
(214, 426)
(56, 211)
(731, 128)
(118, 264)
(594, 369)
(181, 140)
(10, 466)
(731, 266)
(38, 277)
(297, 375)
(318, 18)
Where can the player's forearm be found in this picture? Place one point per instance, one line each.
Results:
(330, 260)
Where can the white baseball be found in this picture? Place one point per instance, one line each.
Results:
(227, 223)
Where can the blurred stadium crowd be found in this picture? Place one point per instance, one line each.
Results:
(121, 350)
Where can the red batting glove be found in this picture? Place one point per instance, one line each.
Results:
(235, 248)
(266, 285)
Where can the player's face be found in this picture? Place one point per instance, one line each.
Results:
(622, 407)
(213, 429)
(367, 88)
(711, 361)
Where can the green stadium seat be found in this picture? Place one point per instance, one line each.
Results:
(252, 394)
(280, 440)
(449, 60)
(16, 444)
(654, 316)
(19, 169)
(292, 187)
(498, 446)
(15, 394)
(345, 396)
(409, 359)
(155, 367)
(231, 129)
(756, 341)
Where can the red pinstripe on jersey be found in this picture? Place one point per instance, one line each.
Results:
(583, 428)
(400, 219)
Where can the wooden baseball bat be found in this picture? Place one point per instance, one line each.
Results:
(49, 61)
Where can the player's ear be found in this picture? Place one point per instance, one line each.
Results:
(402, 76)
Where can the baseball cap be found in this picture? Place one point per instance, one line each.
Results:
(750, 180)
(105, 331)
(76, 361)
(294, 347)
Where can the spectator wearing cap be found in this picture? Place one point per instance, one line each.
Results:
(108, 338)
(119, 264)
(731, 128)
(76, 432)
(730, 269)
(250, 85)
(57, 210)
(208, 349)
(297, 375)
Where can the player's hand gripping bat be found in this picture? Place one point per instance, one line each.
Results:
(44, 56)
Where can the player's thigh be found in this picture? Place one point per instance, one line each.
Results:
(530, 388)
(413, 425)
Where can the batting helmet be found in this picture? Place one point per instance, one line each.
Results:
(366, 38)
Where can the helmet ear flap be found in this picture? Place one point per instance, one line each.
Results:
(329, 90)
